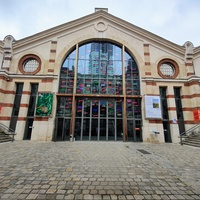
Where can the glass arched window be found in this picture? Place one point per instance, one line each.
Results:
(99, 71)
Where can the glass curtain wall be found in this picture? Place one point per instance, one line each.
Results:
(99, 96)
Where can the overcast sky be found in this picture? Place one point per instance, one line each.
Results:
(174, 20)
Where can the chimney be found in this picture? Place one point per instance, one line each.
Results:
(101, 9)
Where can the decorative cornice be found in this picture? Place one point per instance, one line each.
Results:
(111, 20)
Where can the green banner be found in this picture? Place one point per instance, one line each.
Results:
(44, 104)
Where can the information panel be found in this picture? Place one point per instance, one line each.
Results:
(44, 104)
(153, 107)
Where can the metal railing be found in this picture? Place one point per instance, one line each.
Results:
(8, 131)
(188, 132)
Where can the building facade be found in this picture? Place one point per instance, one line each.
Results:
(98, 78)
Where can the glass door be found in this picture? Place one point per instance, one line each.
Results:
(62, 129)
(98, 119)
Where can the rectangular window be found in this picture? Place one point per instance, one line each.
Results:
(179, 109)
(163, 99)
(18, 95)
(16, 106)
(32, 101)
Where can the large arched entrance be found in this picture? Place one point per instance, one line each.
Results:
(99, 95)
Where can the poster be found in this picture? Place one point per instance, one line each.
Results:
(153, 107)
(44, 104)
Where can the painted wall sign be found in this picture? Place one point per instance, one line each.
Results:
(44, 104)
(153, 107)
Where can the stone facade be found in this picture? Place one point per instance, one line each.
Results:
(53, 45)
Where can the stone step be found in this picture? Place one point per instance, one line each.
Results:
(191, 144)
(5, 138)
(192, 139)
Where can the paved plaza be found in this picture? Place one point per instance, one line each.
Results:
(98, 170)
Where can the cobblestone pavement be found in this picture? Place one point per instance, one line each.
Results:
(98, 170)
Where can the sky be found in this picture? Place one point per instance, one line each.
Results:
(175, 20)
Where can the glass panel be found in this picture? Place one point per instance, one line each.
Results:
(94, 129)
(77, 130)
(66, 131)
(129, 108)
(87, 107)
(130, 130)
(120, 129)
(119, 108)
(79, 108)
(102, 129)
(59, 129)
(18, 95)
(111, 129)
(99, 64)
(132, 76)
(64, 106)
(86, 129)
(137, 108)
(67, 74)
(95, 108)
(103, 109)
(138, 130)
(32, 101)
(111, 110)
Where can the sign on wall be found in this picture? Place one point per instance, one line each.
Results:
(44, 104)
(153, 107)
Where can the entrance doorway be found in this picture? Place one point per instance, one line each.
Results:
(166, 128)
(98, 119)
(28, 129)
(62, 129)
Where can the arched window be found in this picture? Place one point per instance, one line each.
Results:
(99, 71)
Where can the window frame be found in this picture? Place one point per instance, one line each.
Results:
(24, 59)
(171, 62)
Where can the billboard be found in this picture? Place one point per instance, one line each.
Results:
(153, 107)
(44, 104)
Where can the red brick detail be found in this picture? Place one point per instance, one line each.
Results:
(53, 42)
(190, 96)
(155, 121)
(53, 51)
(146, 45)
(147, 63)
(5, 118)
(6, 78)
(148, 73)
(41, 118)
(189, 122)
(23, 105)
(191, 83)
(188, 109)
(151, 83)
(26, 92)
(6, 91)
(170, 96)
(21, 119)
(188, 64)
(52, 60)
(47, 80)
(8, 58)
(190, 74)
(146, 53)
(50, 70)
(186, 97)
(172, 108)
(6, 105)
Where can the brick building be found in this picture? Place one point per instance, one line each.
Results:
(98, 78)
